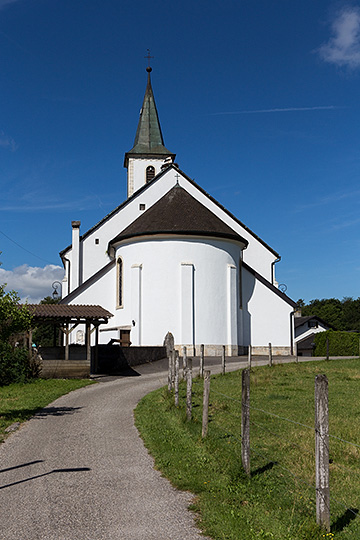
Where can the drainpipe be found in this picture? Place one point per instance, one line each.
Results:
(273, 269)
(68, 273)
(75, 272)
(292, 314)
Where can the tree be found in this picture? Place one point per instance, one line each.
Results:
(14, 317)
(47, 334)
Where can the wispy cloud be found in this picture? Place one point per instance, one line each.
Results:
(32, 283)
(345, 224)
(4, 3)
(276, 110)
(7, 142)
(334, 197)
(343, 48)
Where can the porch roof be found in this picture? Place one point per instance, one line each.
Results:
(69, 313)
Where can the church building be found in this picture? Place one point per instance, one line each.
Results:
(171, 258)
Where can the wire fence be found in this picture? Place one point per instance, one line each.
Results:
(262, 449)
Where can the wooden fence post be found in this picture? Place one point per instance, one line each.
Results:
(177, 370)
(322, 452)
(249, 357)
(169, 371)
(205, 417)
(201, 370)
(184, 361)
(173, 368)
(270, 356)
(189, 388)
(245, 420)
(223, 361)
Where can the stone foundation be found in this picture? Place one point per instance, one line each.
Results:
(276, 351)
(211, 350)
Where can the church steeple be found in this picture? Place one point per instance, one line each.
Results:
(148, 149)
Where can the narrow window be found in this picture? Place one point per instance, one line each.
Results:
(96, 240)
(119, 282)
(142, 206)
(150, 173)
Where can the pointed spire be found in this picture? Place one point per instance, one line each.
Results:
(148, 138)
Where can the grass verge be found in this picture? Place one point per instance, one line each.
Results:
(278, 501)
(20, 401)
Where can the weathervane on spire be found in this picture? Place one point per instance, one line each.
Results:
(148, 56)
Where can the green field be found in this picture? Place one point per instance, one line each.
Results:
(278, 501)
(19, 402)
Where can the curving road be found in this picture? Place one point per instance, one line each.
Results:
(79, 471)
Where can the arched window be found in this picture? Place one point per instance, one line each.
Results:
(150, 173)
(119, 282)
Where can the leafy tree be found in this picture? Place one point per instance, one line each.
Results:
(14, 319)
(44, 334)
(342, 314)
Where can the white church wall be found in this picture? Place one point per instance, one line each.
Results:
(266, 318)
(177, 286)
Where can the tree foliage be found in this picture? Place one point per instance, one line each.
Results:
(47, 334)
(14, 317)
(342, 314)
(14, 320)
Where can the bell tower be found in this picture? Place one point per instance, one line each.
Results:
(146, 158)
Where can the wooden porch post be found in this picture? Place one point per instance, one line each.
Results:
(66, 342)
(88, 342)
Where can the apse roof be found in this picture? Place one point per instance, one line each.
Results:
(178, 212)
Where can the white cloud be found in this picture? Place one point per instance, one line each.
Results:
(343, 48)
(32, 283)
(6, 141)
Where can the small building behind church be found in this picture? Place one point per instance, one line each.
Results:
(170, 258)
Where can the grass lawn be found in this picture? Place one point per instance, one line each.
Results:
(278, 501)
(18, 402)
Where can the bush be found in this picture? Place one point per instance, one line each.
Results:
(340, 343)
(14, 364)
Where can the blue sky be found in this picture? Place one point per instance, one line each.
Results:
(259, 100)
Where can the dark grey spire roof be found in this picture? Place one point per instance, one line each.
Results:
(148, 138)
(178, 212)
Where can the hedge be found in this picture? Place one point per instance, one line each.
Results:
(340, 343)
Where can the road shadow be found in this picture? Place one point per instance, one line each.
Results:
(56, 411)
(20, 415)
(22, 465)
(54, 471)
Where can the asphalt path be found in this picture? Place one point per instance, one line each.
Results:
(78, 470)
